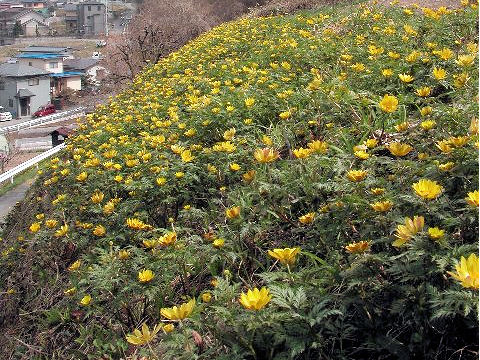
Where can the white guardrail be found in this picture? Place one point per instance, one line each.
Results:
(61, 116)
(29, 163)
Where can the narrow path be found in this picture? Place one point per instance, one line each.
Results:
(9, 199)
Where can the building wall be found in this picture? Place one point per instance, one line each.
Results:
(91, 19)
(34, 29)
(41, 91)
(44, 64)
(73, 83)
(8, 93)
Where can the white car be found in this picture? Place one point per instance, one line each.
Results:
(5, 115)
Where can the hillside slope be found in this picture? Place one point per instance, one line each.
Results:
(328, 158)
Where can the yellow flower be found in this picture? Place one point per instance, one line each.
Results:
(108, 207)
(232, 212)
(137, 224)
(361, 154)
(143, 337)
(255, 299)
(357, 247)
(427, 189)
(97, 197)
(285, 115)
(444, 146)
(371, 143)
(161, 181)
(75, 266)
(207, 297)
(265, 155)
(168, 328)
(318, 146)
(86, 300)
(218, 243)
(235, 167)
(389, 103)
(458, 141)
(249, 102)
(249, 176)
(62, 231)
(399, 149)
(473, 129)
(422, 156)
(82, 176)
(377, 191)
(393, 55)
(34, 227)
(187, 156)
(447, 166)
(435, 233)
(99, 230)
(286, 256)
(229, 134)
(443, 54)
(178, 313)
(168, 239)
(302, 153)
(427, 110)
(405, 232)
(356, 175)
(439, 73)
(467, 272)
(402, 126)
(70, 292)
(382, 206)
(465, 60)
(423, 91)
(428, 125)
(51, 223)
(307, 218)
(267, 140)
(123, 254)
(387, 72)
(406, 78)
(145, 276)
(472, 198)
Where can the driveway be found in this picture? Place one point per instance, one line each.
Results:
(9, 199)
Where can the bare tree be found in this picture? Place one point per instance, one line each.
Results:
(162, 26)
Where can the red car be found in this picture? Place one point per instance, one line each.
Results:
(44, 110)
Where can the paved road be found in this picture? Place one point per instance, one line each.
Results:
(8, 200)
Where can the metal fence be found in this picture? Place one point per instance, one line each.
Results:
(61, 116)
(29, 163)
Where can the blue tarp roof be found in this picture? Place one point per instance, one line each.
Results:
(67, 74)
(38, 56)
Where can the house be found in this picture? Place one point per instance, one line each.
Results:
(33, 23)
(91, 18)
(23, 89)
(34, 4)
(51, 59)
(93, 71)
(71, 19)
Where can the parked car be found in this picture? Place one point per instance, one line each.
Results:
(5, 115)
(44, 110)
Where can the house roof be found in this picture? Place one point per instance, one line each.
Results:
(67, 74)
(39, 56)
(46, 49)
(64, 131)
(25, 12)
(24, 93)
(20, 70)
(70, 7)
(80, 64)
(33, 1)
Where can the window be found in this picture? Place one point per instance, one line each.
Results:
(2, 85)
(99, 8)
(10, 103)
(30, 63)
(89, 8)
(53, 65)
(89, 17)
(32, 82)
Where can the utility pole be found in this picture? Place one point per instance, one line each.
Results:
(106, 18)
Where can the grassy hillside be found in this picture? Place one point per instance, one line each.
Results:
(295, 187)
